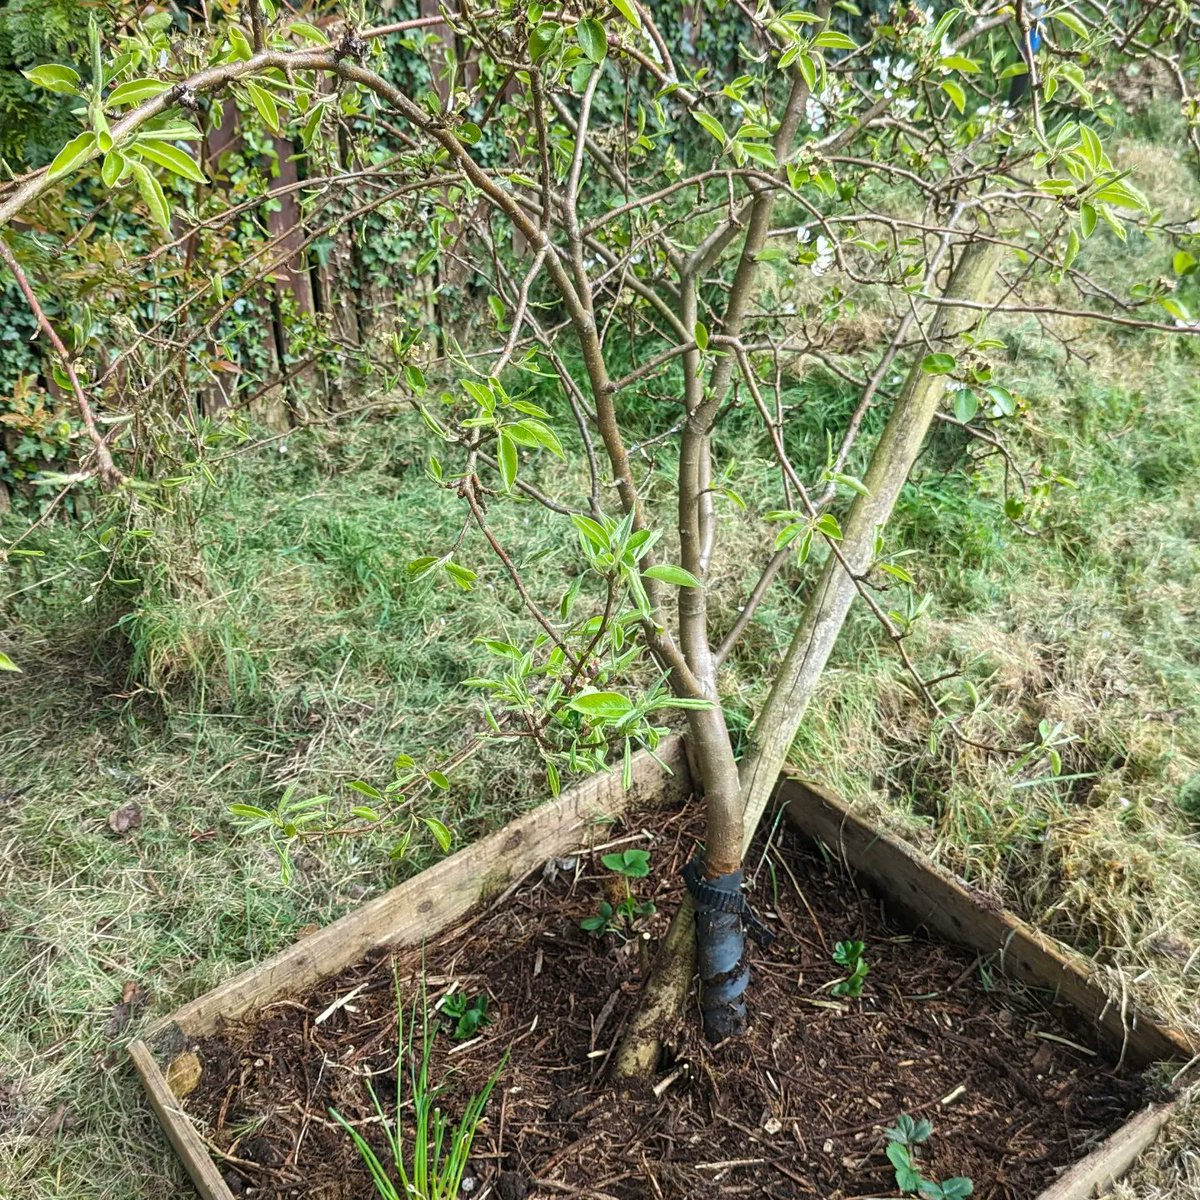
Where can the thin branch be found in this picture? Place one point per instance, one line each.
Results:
(108, 471)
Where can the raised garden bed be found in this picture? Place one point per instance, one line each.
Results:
(1035, 1083)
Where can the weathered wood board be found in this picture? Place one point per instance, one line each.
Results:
(435, 899)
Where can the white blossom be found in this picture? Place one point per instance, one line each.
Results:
(824, 259)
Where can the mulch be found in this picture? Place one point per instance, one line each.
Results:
(795, 1108)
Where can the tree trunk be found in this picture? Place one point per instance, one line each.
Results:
(810, 648)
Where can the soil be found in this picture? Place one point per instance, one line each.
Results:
(796, 1108)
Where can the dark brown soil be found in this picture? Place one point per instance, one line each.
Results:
(797, 1108)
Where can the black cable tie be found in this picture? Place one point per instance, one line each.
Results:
(717, 899)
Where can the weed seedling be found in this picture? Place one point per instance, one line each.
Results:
(464, 1017)
(851, 956)
(903, 1139)
(629, 864)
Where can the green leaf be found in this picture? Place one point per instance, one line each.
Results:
(700, 333)
(957, 96)
(54, 78)
(134, 92)
(312, 123)
(1006, 406)
(1072, 251)
(603, 706)
(311, 32)
(462, 576)
(668, 573)
(7, 664)
(543, 39)
(628, 12)
(1087, 220)
(938, 364)
(712, 125)
(365, 789)
(827, 524)
(759, 152)
(957, 1188)
(506, 457)
(830, 39)
(589, 33)
(250, 811)
(112, 168)
(70, 156)
(541, 435)
(470, 133)
(152, 194)
(364, 812)
(439, 780)
(908, 1178)
(959, 62)
(441, 835)
(808, 70)
(1072, 22)
(240, 44)
(1183, 262)
(265, 103)
(171, 157)
(966, 404)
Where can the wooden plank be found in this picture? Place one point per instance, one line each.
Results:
(178, 1128)
(422, 906)
(1109, 1161)
(931, 896)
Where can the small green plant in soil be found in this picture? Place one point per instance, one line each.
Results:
(630, 864)
(851, 956)
(431, 1158)
(903, 1139)
(464, 1017)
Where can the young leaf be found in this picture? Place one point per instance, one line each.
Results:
(265, 103)
(506, 457)
(54, 78)
(672, 574)
(365, 789)
(311, 32)
(830, 39)
(957, 96)
(171, 157)
(712, 125)
(827, 523)
(250, 812)
(112, 168)
(152, 194)
(239, 44)
(966, 404)
(628, 11)
(700, 332)
(938, 364)
(70, 156)
(908, 1178)
(441, 835)
(589, 33)
(134, 92)
(604, 706)
(7, 664)
(439, 780)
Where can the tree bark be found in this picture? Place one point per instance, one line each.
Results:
(811, 645)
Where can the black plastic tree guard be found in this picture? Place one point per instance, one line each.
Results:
(722, 917)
